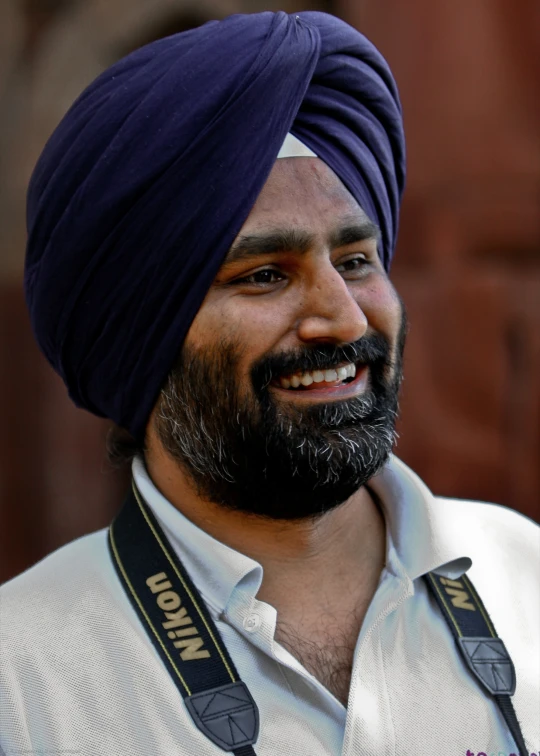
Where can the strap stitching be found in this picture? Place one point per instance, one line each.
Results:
(479, 603)
(186, 588)
(445, 604)
(147, 618)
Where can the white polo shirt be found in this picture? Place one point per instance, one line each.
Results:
(80, 676)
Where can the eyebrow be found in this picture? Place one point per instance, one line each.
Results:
(292, 239)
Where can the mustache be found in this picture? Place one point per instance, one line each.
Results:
(369, 350)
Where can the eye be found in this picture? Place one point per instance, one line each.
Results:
(260, 277)
(354, 264)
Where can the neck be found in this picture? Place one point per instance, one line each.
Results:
(344, 549)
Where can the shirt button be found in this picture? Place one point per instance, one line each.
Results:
(252, 623)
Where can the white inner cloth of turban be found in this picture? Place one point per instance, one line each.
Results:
(293, 147)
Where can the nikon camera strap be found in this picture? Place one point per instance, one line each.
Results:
(483, 652)
(181, 629)
(189, 644)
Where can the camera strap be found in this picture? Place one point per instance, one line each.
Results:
(183, 633)
(180, 626)
(483, 652)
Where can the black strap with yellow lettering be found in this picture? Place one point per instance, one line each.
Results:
(484, 653)
(189, 644)
(181, 629)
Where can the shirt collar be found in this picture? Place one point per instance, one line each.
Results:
(422, 534)
(426, 535)
(215, 568)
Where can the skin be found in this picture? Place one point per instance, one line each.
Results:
(317, 297)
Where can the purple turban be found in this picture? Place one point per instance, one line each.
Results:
(146, 182)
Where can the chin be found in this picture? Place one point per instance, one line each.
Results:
(300, 486)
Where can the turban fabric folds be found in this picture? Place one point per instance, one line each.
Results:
(146, 182)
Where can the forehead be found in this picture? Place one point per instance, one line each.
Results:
(302, 192)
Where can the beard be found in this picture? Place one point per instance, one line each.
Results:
(248, 451)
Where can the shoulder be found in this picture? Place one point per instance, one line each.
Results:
(68, 564)
(503, 533)
(484, 531)
(490, 513)
(504, 548)
(45, 601)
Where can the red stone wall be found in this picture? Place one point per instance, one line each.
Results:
(468, 258)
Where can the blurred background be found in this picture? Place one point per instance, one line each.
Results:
(467, 264)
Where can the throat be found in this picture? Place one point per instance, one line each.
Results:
(320, 613)
(340, 557)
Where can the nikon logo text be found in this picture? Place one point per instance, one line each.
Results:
(178, 624)
(458, 595)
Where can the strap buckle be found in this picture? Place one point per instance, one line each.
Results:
(491, 663)
(227, 715)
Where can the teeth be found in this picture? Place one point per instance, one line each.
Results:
(318, 376)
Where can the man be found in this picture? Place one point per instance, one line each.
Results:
(210, 231)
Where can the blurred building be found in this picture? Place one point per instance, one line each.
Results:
(467, 266)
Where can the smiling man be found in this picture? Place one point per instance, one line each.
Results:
(211, 228)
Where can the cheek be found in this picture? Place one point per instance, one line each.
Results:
(249, 325)
(381, 305)
(256, 323)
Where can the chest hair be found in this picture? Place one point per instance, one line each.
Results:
(325, 650)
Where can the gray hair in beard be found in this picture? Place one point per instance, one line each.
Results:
(245, 449)
(205, 452)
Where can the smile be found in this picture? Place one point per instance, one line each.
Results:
(343, 381)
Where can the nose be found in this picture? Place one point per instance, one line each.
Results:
(328, 310)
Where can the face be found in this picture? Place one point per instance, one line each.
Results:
(284, 398)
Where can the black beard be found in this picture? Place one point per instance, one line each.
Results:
(251, 453)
